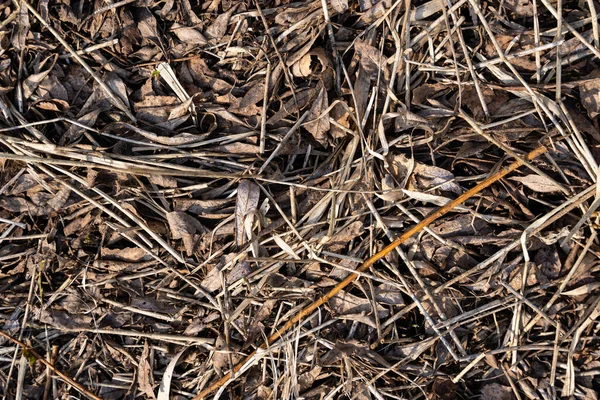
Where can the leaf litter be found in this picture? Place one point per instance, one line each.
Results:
(184, 178)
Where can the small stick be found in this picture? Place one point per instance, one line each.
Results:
(50, 366)
(372, 260)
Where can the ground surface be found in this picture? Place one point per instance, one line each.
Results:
(181, 178)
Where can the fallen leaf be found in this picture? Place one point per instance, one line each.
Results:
(246, 205)
(371, 59)
(145, 377)
(339, 5)
(589, 93)
(495, 391)
(219, 27)
(537, 183)
(188, 35)
(184, 226)
(523, 8)
(583, 289)
(318, 124)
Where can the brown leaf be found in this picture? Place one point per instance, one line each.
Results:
(340, 239)
(345, 303)
(131, 254)
(583, 289)
(147, 26)
(155, 109)
(163, 180)
(65, 320)
(145, 376)
(292, 106)
(371, 59)
(548, 261)
(188, 35)
(31, 83)
(248, 195)
(589, 93)
(115, 83)
(219, 27)
(19, 40)
(184, 226)
(318, 124)
(495, 391)
(443, 389)
(339, 5)
(78, 224)
(537, 183)
(523, 8)
(212, 281)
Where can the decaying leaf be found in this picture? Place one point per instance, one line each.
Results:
(537, 183)
(346, 303)
(188, 35)
(219, 27)
(248, 195)
(318, 124)
(145, 377)
(523, 8)
(590, 94)
(184, 226)
(495, 391)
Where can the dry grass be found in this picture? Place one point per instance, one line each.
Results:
(310, 200)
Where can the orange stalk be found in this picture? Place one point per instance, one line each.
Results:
(372, 260)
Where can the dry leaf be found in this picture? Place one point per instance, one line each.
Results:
(371, 59)
(219, 27)
(248, 195)
(537, 183)
(581, 290)
(188, 35)
(318, 124)
(495, 391)
(184, 226)
(589, 93)
(339, 5)
(523, 8)
(145, 376)
(345, 303)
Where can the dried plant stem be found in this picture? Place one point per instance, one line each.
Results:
(372, 260)
(51, 367)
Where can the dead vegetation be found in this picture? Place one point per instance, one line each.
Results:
(198, 199)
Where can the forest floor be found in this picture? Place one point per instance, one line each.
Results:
(265, 199)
